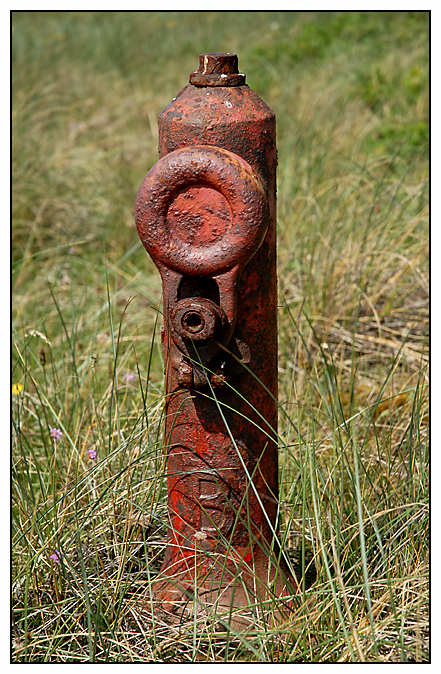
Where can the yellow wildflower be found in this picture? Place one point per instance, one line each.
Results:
(17, 389)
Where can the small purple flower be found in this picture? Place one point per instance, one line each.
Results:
(92, 454)
(129, 377)
(56, 557)
(56, 434)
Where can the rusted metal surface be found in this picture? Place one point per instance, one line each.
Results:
(217, 70)
(206, 213)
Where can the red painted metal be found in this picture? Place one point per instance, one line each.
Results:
(206, 213)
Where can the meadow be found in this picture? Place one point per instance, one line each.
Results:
(89, 510)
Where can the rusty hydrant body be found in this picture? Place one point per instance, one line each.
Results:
(206, 213)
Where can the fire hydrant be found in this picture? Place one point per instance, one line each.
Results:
(206, 214)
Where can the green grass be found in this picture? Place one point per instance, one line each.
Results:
(350, 91)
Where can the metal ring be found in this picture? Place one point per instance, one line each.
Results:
(220, 170)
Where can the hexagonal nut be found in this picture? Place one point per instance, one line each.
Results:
(218, 379)
(185, 374)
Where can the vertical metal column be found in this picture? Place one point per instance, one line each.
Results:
(206, 213)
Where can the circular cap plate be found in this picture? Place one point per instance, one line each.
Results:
(201, 210)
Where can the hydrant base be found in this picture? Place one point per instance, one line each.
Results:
(246, 598)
